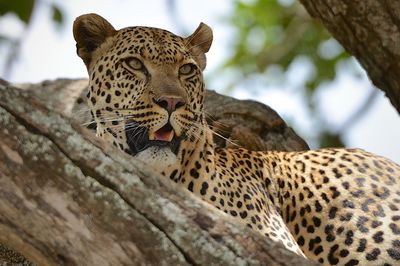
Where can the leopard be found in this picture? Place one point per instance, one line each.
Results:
(335, 206)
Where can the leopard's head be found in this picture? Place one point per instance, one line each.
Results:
(146, 86)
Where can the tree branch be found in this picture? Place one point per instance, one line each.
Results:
(67, 200)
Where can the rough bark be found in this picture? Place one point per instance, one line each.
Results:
(369, 30)
(67, 200)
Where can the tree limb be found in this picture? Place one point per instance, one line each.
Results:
(67, 200)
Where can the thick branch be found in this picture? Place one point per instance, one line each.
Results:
(369, 30)
(63, 201)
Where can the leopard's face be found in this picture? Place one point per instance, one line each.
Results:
(146, 90)
(146, 85)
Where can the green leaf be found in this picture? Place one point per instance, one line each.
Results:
(57, 15)
(22, 8)
(328, 139)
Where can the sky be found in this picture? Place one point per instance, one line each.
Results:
(48, 52)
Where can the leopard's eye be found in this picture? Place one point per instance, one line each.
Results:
(135, 63)
(187, 69)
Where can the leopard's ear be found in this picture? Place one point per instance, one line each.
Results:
(90, 32)
(199, 43)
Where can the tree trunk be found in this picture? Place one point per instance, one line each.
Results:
(369, 30)
(66, 199)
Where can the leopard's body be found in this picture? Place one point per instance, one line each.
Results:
(340, 207)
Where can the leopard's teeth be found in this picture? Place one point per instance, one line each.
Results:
(152, 135)
(171, 136)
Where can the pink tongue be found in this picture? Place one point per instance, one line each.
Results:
(163, 135)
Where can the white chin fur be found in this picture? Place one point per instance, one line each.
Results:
(158, 157)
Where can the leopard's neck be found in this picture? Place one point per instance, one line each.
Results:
(197, 161)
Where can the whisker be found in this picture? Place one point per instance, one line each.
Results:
(216, 133)
(226, 139)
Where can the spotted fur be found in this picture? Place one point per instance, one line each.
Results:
(340, 207)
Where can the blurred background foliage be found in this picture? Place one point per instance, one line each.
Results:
(274, 35)
(270, 36)
(24, 10)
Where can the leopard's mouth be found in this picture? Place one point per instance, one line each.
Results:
(139, 139)
(166, 133)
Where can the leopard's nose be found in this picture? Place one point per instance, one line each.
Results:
(170, 103)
